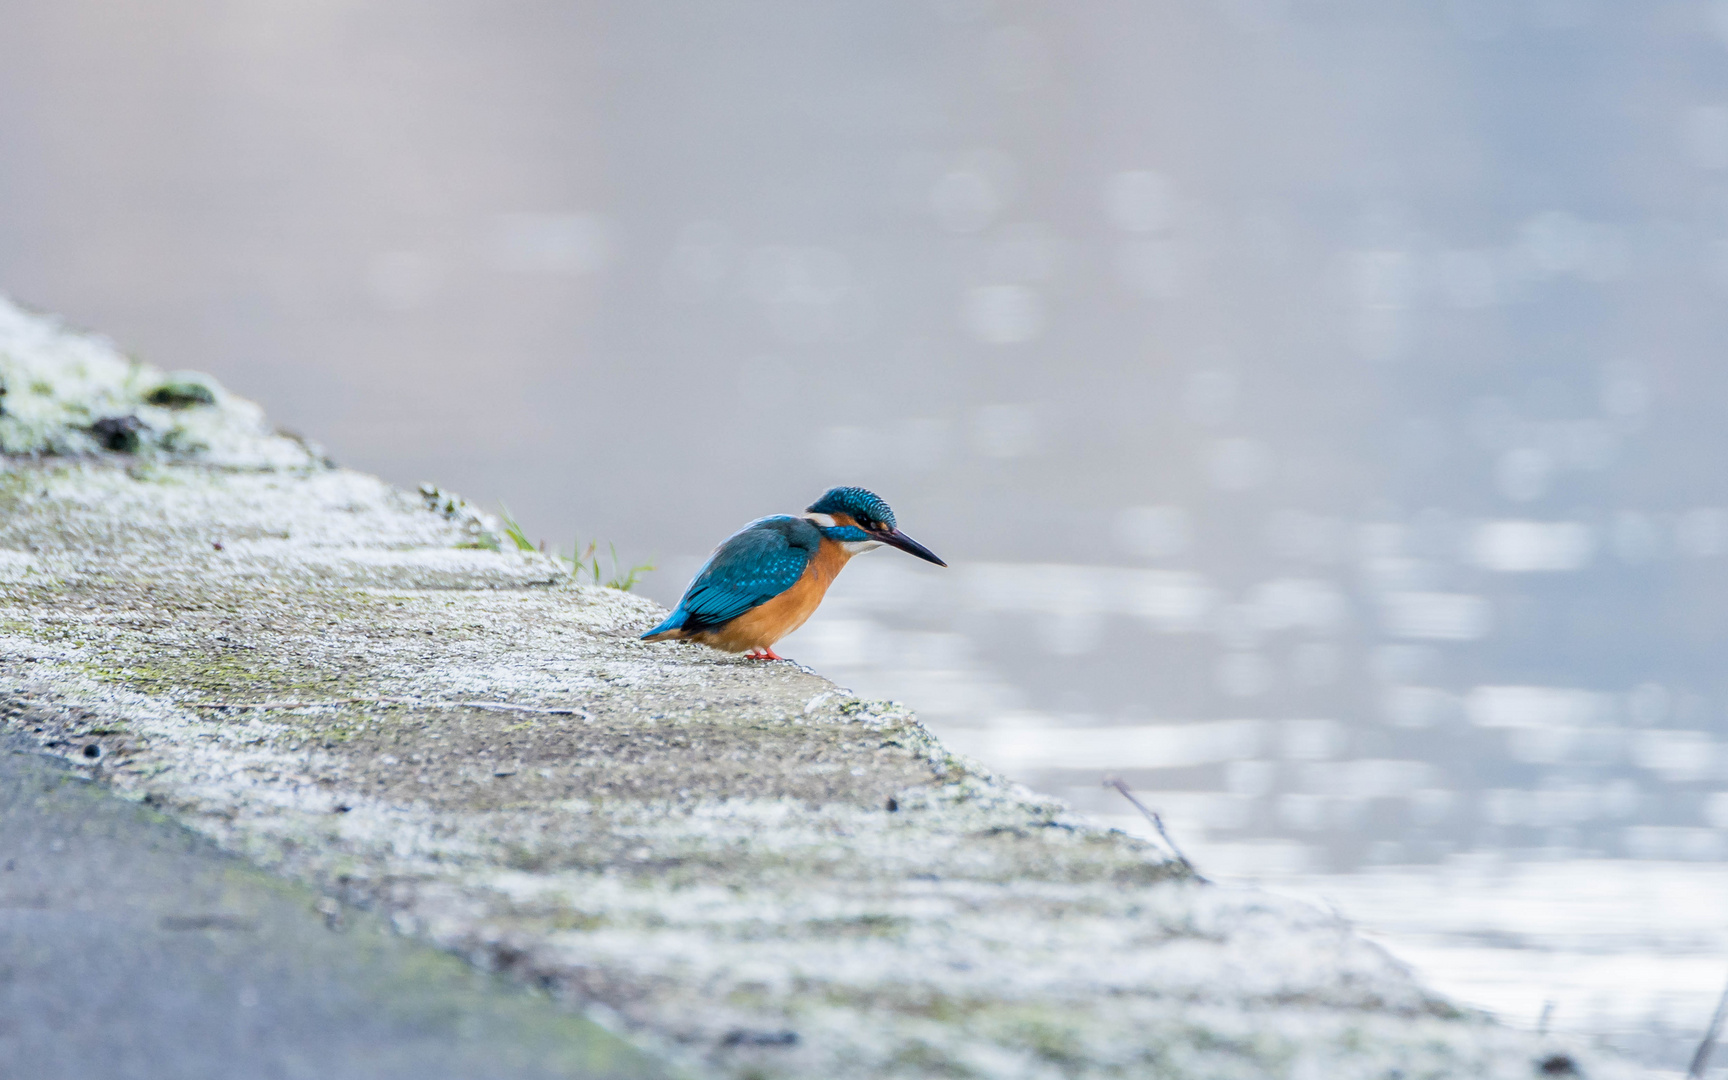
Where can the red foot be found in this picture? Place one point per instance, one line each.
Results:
(764, 653)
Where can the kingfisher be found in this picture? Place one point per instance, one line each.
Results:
(766, 579)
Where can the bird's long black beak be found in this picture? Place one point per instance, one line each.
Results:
(896, 538)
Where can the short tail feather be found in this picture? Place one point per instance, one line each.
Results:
(674, 622)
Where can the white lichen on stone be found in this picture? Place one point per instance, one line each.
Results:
(58, 389)
(748, 869)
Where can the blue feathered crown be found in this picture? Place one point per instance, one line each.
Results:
(859, 504)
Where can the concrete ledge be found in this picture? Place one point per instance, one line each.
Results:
(750, 870)
(134, 948)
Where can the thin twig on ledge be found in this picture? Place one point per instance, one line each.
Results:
(1701, 1060)
(418, 703)
(1157, 823)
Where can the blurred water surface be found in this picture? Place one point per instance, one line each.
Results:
(1320, 401)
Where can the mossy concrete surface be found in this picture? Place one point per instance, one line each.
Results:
(133, 948)
(748, 869)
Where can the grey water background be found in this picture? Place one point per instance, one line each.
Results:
(1320, 401)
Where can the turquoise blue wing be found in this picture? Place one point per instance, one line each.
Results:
(751, 568)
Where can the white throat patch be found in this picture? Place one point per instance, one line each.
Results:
(859, 547)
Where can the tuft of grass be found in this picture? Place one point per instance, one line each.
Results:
(584, 562)
(513, 530)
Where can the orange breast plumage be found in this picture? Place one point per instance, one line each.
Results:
(767, 623)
